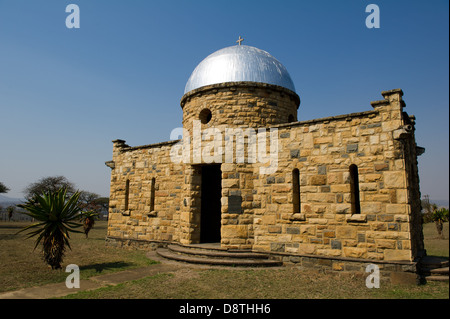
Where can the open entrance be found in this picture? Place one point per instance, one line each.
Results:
(210, 216)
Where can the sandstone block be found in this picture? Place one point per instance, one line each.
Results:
(318, 180)
(306, 248)
(268, 219)
(371, 207)
(348, 232)
(342, 208)
(234, 231)
(323, 140)
(274, 229)
(396, 254)
(307, 230)
(381, 167)
(354, 252)
(340, 188)
(386, 243)
(402, 196)
(335, 178)
(401, 218)
(396, 209)
(329, 234)
(293, 230)
(394, 179)
(329, 252)
(368, 186)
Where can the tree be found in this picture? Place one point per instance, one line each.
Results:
(55, 212)
(10, 210)
(50, 184)
(426, 205)
(93, 202)
(103, 202)
(428, 209)
(439, 216)
(3, 188)
(87, 200)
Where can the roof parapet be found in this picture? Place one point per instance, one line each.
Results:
(390, 97)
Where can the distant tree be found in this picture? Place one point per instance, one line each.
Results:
(50, 184)
(428, 209)
(426, 205)
(93, 202)
(87, 200)
(103, 202)
(3, 188)
(10, 210)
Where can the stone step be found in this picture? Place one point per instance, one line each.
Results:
(222, 261)
(436, 278)
(435, 271)
(216, 253)
(435, 268)
(434, 262)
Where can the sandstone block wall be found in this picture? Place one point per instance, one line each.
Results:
(241, 104)
(133, 213)
(380, 142)
(388, 225)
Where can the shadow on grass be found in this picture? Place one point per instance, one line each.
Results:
(436, 258)
(116, 265)
(7, 236)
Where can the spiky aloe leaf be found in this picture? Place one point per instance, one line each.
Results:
(56, 214)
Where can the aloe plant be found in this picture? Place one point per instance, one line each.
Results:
(88, 219)
(55, 213)
(440, 216)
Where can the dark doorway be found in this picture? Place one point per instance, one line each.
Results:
(210, 218)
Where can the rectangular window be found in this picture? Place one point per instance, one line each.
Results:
(127, 194)
(354, 189)
(152, 195)
(296, 191)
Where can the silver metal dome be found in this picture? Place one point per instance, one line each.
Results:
(239, 63)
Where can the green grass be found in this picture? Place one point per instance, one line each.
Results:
(434, 245)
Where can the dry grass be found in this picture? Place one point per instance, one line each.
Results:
(285, 283)
(23, 267)
(434, 245)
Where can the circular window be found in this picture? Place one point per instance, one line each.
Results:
(291, 118)
(205, 116)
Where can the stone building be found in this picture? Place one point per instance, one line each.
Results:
(248, 175)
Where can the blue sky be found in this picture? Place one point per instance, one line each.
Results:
(65, 94)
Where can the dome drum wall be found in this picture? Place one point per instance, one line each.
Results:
(240, 104)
